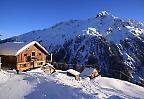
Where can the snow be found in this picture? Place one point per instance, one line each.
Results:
(14, 48)
(13, 86)
(102, 14)
(92, 31)
(74, 72)
(29, 44)
(87, 72)
(4, 76)
(10, 48)
(106, 25)
(48, 64)
(35, 84)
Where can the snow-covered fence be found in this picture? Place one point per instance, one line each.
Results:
(0, 63)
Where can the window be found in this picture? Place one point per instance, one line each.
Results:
(41, 63)
(28, 58)
(33, 53)
(23, 65)
(25, 54)
(39, 53)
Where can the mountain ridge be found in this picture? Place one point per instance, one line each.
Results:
(109, 41)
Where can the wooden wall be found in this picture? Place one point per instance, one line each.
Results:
(38, 54)
(94, 74)
(8, 62)
(23, 62)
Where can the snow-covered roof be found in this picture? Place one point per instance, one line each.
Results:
(74, 72)
(49, 65)
(14, 48)
(87, 71)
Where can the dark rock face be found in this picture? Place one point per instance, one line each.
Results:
(95, 51)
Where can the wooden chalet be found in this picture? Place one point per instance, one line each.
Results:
(90, 72)
(22, 56)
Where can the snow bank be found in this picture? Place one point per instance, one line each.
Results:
(4, 76)
(36, 84)
(73, 72)
(13, 86)
(87, 72)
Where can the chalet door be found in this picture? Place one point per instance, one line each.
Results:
(33, 64)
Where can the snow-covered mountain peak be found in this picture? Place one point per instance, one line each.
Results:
(105, 14)
(102, 14)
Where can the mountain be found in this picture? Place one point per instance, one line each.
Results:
(114, 45)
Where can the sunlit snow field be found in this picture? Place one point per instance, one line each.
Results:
(36, 84)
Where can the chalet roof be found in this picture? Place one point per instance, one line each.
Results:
(14, 48)
(87, 71)
(74, 72)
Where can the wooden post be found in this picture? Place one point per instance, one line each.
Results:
(51, 58)
(120, 75)
(0, 63)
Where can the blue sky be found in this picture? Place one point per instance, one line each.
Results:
(21, 16)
